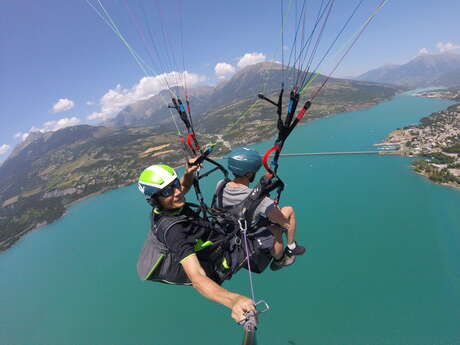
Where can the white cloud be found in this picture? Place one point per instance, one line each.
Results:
(116, 99)
(89, 103)
(445, 47)
(423, 51)
(22, 136)
(58, 124)
(98, 116)
(50, 126)
(62, 105)
(4, 149)
(223, 70)
(251, 59)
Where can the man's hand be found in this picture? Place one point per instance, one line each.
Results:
(241, 306)
(190, 168)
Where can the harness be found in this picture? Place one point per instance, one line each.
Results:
(157, 263)
(244, 211)
(259, 238)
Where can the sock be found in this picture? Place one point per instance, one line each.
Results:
(292, 246)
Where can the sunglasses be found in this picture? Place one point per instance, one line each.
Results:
(169, 189)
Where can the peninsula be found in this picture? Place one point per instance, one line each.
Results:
(435, 141)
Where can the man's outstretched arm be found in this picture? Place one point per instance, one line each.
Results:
(208, 288)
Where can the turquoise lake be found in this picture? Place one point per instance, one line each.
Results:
(382, 267)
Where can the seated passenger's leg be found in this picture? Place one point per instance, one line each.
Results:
(289, 213)
(278, 246)
(292, 247)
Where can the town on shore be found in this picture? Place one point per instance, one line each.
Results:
(435, 141)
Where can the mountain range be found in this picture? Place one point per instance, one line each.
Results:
(423, 71)
(241, 89)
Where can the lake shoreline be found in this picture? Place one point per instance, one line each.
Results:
(427, 177)
(422, 139)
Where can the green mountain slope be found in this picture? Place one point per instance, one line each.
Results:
(41, 180)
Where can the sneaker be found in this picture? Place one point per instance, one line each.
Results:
(298, 250)
(286, 260)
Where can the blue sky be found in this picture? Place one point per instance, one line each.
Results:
(61, 65)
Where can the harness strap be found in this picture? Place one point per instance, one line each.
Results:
(217, 199)
(246, 209)
(170, 222)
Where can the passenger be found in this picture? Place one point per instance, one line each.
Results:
(244, 164)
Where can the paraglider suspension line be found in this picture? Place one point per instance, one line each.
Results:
(243, 227)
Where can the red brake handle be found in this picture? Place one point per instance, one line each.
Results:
(190, 139)
(302, 111)
(267, 155)
(301, 114)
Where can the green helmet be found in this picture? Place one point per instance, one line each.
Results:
(155, 178)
